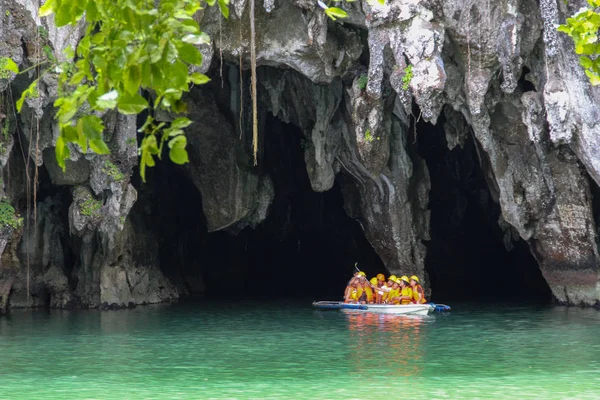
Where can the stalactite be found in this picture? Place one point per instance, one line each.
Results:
(253, 67)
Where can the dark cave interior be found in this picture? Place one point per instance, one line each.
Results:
(466, 256)
(307, 246)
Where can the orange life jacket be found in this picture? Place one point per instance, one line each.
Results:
(419, 294)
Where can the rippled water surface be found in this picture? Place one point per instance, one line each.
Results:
(290, 351)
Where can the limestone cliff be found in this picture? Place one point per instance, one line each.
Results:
(494, 70)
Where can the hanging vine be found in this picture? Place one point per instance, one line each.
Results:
(241, 87)
(253, 84)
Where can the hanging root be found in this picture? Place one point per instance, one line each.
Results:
(221, 50)
(241, 88)
(253, 68)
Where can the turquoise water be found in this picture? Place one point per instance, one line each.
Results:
(290, 351)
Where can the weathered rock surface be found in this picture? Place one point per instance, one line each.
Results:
(5, 287)
(497, 70)
(536, 137)
(230, 191)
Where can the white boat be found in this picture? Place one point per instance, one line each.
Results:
(418, 309)
(412, 309)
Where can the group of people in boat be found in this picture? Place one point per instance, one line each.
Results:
(378, 290)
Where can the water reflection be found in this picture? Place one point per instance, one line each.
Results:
(391, 342)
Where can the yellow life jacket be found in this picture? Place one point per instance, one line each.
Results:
(390, 296)
(407, 291)
(356, 293)
(369, 293)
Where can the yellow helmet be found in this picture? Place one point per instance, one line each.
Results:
(404, 278)
(414, 278)
(393, 278)
(381, 277)
(360, 273)
(373, 281)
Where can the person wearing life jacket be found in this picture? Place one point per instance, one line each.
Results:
(352, 285)
(377, 292)
(371, 291)
(406, 293)
(417, 289)
(380, 280)
(393, 291)
(354, 291)
(364, 291)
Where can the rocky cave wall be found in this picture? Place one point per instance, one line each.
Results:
(496, 69)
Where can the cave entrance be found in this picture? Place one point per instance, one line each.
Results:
(306, 247)
(466, 258)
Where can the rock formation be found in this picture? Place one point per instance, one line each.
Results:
(496, 70)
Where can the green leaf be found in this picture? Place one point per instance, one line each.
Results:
(107, 100)
(179, 107)
(190, 54)
(148, 148)
(178, 156)
(178, 74)
(69, 53)
(181, 123)
(77, 78)
(192, 7)
(10, 65)
(82, 142)
(47, 8)
(91, 127)
(174, 132)
(30, 91)
(190, 26)
(586, 62)
(211, 2)
(157, 77)
(69, 133)
(146, 75)
(178, 141)
(147, 124)
(223, 6)
(143, 163)
(91, 12)
(63, 16)
(170, 54)
(132, 79)
(202, 38)
(150, 144)
(594, 78)
(334, 13)
(99, 147)
(62, 152)
(199, 79)
(177, 152)
(132, 104)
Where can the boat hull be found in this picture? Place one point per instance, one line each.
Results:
(409, 309)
